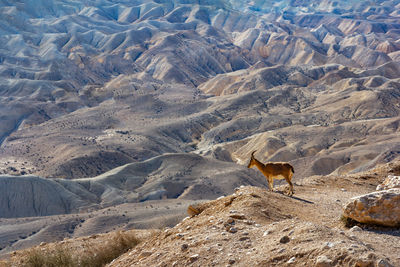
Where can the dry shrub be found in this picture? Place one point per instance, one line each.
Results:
(96, 256)
(102, 254)
(42, 258)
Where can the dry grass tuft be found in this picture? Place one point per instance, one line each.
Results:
(105, 253)
(96, 256)
(60, 257)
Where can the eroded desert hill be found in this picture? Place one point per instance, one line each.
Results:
(87, 87)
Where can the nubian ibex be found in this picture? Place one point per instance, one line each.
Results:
(274, 170)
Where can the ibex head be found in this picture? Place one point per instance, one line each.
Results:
(252, 160)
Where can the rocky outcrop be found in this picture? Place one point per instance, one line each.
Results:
(250, 228)
(381, 208)
(390, 182)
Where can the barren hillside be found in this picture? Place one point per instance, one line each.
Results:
(260, 228)
(86, 88)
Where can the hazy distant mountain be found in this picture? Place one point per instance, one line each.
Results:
(88, 86)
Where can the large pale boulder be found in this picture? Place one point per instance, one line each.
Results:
(390, 182)
(381, 207)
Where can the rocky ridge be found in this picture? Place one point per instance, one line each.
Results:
(257, 227)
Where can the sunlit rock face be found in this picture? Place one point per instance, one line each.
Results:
(380, 208)
(89, 86)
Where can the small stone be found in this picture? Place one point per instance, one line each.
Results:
(230, 221)
(382, 263)
(291, 260)
(267, 232)
(249, 222)
(184, 247)
(343, 190)
(355, 229)
(243, 238)
(232, 230)
(281, 250)
(238, 216)
(323, 261)
(194, 257)
(231, 261)
(329, 245)
(221, 197)
(43, 244)
(364, 262)
(233, 211)
(285, 239)
(257, 225)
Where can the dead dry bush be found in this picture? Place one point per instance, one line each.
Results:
(93, 256)
(41, 258)
(112, 249)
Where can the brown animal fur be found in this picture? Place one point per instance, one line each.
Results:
(275, 170)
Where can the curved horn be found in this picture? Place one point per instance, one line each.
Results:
(252, 154)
